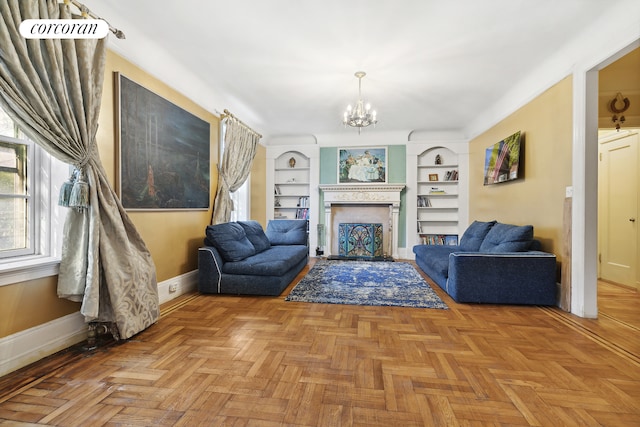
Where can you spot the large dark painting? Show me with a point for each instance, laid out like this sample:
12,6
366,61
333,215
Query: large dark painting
164,152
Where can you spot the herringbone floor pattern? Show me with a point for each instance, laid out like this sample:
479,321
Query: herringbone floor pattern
261,361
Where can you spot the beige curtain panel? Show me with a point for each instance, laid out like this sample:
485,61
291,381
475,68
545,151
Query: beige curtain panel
240,143
52,89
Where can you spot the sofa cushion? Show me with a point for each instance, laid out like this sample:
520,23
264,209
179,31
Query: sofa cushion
275,261
256,235
436,256
507,238
474,235
287,232
230,240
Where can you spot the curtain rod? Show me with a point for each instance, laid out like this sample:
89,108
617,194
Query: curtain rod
226,113
86,12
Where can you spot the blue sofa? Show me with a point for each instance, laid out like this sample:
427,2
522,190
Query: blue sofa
494,263
240,258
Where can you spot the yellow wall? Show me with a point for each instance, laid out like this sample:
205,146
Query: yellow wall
621,76
537,198
173,238
259,186
28,304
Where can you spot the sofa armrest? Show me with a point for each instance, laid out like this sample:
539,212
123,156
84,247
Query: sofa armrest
209,270
503,278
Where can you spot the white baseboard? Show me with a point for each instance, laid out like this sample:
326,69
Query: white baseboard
28,346
185,283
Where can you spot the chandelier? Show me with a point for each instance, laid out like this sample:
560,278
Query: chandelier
361,116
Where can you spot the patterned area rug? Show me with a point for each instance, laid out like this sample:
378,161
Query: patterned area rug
365,283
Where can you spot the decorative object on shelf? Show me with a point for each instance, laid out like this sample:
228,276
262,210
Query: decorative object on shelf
360,116
292,162
433,177
617,109
438,159
358,165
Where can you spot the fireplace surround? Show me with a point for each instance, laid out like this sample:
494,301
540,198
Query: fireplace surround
364,203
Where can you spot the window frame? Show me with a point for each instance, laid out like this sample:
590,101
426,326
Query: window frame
45,174
32,240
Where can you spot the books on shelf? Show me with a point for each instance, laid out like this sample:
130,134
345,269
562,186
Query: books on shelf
303,202
302,213
451,175
424,202
439,239
436,190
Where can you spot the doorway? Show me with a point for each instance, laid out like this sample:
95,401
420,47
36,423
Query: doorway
618,162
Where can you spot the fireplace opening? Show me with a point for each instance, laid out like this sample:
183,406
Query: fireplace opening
362,204
358,240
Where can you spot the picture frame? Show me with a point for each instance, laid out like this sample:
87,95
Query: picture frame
359,165
163,151
433,177
503,160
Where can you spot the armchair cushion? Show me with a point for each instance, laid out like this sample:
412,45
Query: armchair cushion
231,240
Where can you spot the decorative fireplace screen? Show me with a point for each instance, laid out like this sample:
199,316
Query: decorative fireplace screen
360,240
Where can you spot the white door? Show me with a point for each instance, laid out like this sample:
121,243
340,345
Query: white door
618,208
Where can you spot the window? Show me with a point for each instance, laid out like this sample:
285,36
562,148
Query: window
30,219
16,205
242,195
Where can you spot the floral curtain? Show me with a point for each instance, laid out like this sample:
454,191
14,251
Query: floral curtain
52,88
240,143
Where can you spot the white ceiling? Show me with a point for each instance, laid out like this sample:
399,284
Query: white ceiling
286,67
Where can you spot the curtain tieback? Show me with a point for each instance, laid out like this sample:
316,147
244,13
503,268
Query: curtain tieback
74,192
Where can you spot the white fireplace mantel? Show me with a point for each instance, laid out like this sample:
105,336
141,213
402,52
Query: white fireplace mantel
366,194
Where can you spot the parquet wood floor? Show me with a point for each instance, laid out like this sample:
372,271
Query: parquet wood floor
261,361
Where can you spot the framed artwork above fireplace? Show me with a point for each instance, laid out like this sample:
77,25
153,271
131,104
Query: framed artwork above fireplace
362,165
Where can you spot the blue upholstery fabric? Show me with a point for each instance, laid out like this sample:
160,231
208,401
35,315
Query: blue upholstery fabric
503,278
474,235
507,238
256,235
267,272
268,263
287,232
518,274
230,239
438,259
212,281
